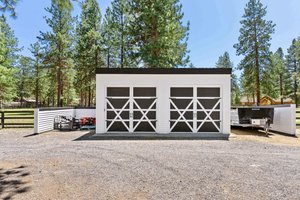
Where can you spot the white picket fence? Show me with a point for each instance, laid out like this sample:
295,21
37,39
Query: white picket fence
44,117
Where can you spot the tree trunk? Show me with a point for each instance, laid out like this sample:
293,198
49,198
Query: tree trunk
89,99
257,70
281,88
85,99
58,87
122,40
37,86
108,58
48,101
295,84
81,98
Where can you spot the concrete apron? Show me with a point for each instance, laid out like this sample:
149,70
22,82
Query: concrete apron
157,136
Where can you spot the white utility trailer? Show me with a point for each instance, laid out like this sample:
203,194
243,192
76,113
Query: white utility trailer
284,118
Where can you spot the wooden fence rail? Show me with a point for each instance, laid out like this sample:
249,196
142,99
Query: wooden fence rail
15,119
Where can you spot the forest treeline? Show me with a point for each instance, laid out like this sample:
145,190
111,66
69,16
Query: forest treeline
132,33
61,70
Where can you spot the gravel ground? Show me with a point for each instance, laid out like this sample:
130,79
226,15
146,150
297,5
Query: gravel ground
54,166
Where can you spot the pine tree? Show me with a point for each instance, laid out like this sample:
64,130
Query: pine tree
11,43
254,43
38,78
88,55
24,77
59,41
64,4
7,89
224,61
270,82
109,40
158,32
293,66
8,55
283,77
248,87
121,40
9,5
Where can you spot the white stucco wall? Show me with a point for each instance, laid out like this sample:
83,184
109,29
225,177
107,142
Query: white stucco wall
163,83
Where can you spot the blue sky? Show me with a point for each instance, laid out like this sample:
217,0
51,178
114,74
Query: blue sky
214,25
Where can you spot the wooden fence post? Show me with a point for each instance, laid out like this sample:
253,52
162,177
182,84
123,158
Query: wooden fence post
2,119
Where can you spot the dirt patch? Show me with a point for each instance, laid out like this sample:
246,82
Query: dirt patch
255,135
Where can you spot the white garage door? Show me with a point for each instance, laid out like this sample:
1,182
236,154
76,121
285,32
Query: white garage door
195,109
131,109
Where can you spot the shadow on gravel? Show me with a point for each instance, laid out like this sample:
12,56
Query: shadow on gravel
249,131
87,136
256,132
151,136
30,135
12,183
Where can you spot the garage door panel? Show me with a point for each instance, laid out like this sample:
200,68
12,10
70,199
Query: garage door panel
144,92
182,127
208,92
209,127
117,103
203,113
118,91
181,104
112,115
215,115
144,126
131,109
187,115
118,126
182,92
208,103
149,115
144,103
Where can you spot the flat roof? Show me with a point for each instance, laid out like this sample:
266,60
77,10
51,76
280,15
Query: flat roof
163,71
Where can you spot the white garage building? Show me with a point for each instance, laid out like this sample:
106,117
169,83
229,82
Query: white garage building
163,101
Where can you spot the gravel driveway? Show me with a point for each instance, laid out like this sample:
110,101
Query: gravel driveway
54,166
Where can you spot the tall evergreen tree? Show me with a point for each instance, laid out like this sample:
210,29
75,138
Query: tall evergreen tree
254,43
121,39
293,66
224,61
8,55
283,77
58,57
107,34
7,89
159,33
39,79
88,55
269,82
248,87
24,77
11,43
